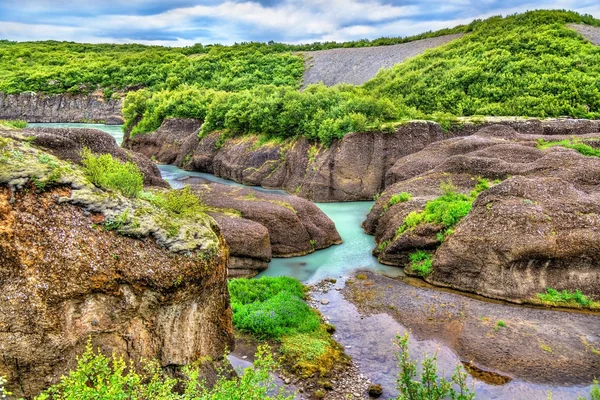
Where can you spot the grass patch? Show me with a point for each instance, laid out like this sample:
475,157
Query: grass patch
575,144
107,173
397,198
13,124
565,298
274,308
421,262
271,307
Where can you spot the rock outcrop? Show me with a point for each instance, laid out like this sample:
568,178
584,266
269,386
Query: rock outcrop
351,169
535,229
258,225
354,168
68,143
33,107
78,263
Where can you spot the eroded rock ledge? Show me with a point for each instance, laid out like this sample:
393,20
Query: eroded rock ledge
64,280
33,107
354,168
538,228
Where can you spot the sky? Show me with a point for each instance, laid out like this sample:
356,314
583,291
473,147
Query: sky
185,22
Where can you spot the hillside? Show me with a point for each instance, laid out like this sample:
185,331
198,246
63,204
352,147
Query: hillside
358,65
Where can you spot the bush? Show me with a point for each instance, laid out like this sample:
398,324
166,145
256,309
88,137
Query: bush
98,377
421,262
108,173
429,386
575,144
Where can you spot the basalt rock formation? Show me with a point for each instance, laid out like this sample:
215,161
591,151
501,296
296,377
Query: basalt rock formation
258,225
350,169
357,167
68,143
78,263
537,228
33,107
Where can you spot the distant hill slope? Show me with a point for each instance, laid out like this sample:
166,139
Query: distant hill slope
591,33
358,65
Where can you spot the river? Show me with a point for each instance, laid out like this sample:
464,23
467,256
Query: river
368,337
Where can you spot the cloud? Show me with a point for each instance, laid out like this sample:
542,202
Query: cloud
184,22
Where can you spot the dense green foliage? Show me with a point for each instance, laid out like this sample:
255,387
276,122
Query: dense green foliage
575,144
576,298
271,307
106,172
528,64
98,377
59,67
274,308
429,386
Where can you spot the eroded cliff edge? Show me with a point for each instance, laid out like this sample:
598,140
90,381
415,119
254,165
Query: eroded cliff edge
69,274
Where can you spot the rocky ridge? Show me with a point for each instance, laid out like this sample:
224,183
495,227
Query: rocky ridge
33,107
355,168
78,263
537,228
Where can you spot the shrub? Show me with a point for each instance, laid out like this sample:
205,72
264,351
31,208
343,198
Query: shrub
429,386
399,198
421,262
108,173
99,377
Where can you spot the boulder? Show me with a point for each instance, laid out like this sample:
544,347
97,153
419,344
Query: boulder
133,288
114,120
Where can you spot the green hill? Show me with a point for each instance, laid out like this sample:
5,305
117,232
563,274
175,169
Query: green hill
528,64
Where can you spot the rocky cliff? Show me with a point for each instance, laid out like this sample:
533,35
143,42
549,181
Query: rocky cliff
354,168
33,107
536,227
78,263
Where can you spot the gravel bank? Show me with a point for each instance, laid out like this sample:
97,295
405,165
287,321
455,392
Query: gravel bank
591,33
358,65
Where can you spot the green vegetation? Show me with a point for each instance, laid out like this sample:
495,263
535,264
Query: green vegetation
567,299
270,308
13,124
429,386
446,210
106,172
274,308
527,64
107,378
421,262
575,144
397,198
59,67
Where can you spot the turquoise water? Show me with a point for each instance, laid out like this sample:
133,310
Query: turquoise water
336,261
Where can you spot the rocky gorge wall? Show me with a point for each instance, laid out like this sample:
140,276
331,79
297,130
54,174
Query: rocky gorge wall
357,167
67,277
33,107
536,227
